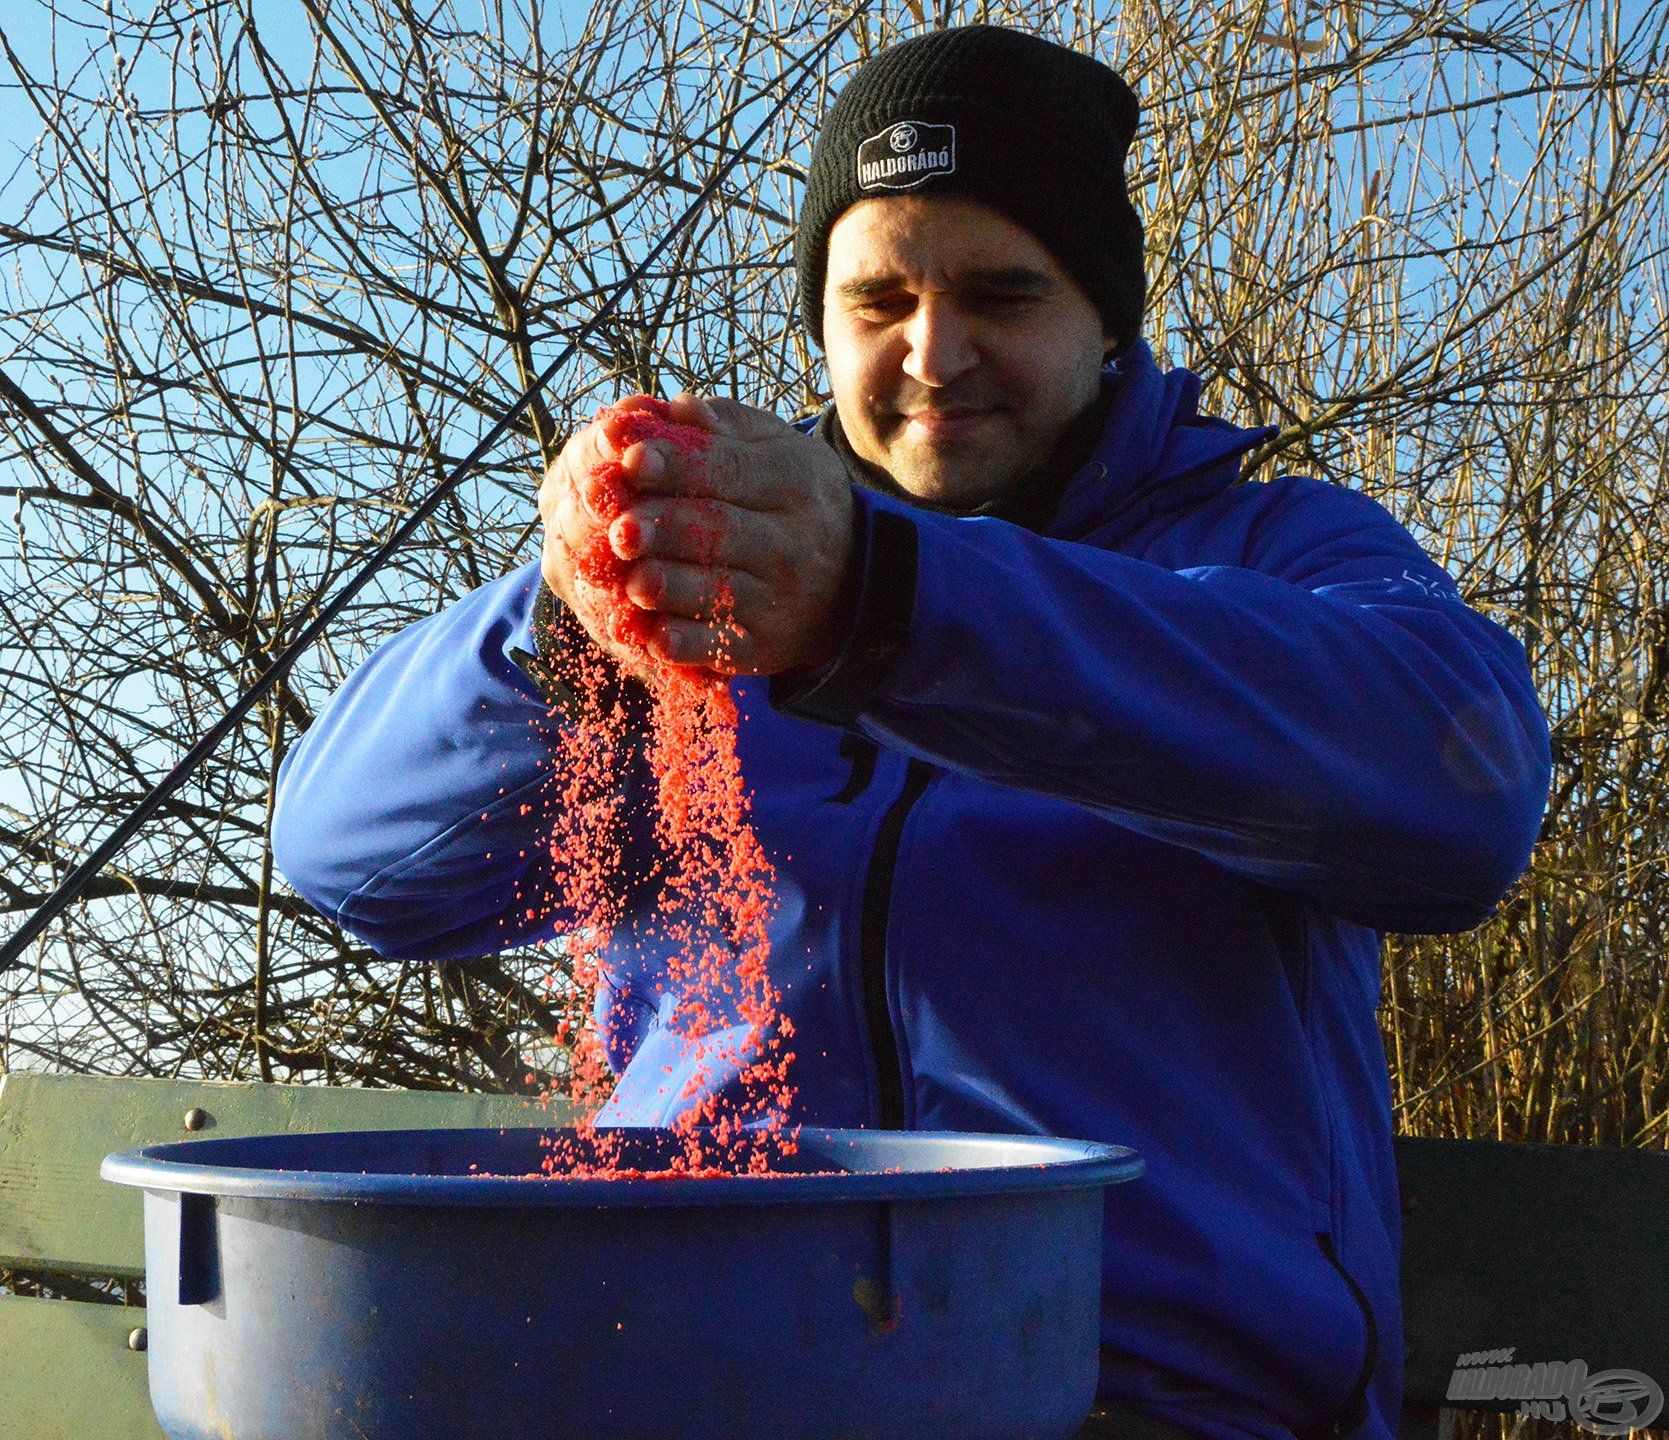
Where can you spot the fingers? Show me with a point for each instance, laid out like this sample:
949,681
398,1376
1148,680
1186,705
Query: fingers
696,531
710,541
691,623
722,469
586,487
692,592
727,469
583,452
698,645
736,464
724,415
688,408
568,519
746,423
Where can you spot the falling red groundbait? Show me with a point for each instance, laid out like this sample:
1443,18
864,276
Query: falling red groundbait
715,884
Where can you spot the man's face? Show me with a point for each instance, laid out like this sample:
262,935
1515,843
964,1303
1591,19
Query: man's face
958,349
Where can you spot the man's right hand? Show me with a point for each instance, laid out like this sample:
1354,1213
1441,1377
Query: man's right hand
568,501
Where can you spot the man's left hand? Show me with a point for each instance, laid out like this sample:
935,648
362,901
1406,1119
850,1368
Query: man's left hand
740,550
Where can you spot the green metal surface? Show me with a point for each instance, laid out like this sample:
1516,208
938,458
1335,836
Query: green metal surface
57,1215
69,1373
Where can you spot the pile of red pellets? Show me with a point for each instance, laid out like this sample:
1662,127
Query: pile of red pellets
715,884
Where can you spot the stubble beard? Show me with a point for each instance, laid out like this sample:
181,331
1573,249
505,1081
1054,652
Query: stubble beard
955,477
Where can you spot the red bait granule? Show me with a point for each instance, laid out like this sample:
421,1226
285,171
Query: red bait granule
715,882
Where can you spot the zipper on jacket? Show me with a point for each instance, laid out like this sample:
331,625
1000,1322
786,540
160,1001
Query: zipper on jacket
872,945
1350,1415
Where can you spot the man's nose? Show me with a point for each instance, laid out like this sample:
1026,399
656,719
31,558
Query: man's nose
941,344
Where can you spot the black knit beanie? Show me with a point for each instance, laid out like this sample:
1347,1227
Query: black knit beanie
1034,130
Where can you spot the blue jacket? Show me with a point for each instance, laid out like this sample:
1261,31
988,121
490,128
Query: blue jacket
1088,833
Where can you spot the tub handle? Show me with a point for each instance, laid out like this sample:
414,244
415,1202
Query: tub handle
199,1250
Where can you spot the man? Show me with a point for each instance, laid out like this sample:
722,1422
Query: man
1091,773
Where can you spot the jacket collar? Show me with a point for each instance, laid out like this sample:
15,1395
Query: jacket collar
1157,452
1140,448
1030,504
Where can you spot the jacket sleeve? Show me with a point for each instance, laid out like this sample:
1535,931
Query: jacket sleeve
409,812
1326,717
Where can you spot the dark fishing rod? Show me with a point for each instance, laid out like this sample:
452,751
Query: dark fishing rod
78,879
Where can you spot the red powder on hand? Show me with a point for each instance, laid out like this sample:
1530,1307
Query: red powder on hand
597,564
716,895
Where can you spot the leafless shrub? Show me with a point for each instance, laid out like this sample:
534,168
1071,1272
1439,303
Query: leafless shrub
270,268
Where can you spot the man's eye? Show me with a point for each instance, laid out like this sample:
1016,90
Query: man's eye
883,309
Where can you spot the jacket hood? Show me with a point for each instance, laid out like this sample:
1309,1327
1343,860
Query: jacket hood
1156,453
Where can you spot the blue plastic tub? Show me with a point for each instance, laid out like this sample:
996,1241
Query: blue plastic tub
366,1286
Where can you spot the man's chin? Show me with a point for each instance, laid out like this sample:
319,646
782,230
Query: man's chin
949,489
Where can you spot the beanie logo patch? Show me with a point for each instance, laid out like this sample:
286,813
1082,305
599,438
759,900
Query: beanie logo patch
905,154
